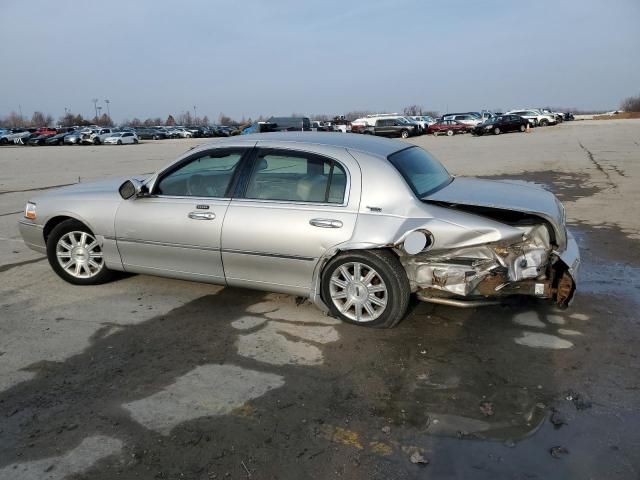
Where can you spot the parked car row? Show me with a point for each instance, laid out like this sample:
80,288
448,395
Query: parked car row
478,123
95,135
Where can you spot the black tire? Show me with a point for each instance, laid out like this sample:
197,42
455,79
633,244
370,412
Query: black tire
496,131
523,128
96,141
450,133
135,140
544,122
435,133
387,266
4,141
404,134
119,142
60,230
155,137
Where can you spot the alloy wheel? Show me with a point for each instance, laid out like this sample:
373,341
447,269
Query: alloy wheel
358,292
79,254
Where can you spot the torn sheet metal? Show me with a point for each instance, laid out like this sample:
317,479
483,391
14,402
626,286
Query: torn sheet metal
486,269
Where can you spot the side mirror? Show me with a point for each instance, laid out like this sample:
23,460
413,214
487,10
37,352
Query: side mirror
132,188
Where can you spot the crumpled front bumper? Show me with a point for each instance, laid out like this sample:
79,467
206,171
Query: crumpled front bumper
485,273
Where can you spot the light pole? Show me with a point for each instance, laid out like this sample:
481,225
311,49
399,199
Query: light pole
107,101
95,106
195,114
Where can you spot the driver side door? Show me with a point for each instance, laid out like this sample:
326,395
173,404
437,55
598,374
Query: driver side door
175,231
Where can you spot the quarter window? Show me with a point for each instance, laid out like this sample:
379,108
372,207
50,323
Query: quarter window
296,177
205,176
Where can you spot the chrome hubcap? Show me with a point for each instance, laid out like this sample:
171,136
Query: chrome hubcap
79,254
358,292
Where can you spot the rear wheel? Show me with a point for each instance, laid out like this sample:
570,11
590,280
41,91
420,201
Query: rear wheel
367,287
523,128
450,133
75,254
544,122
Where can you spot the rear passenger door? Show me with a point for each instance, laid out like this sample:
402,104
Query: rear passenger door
292,206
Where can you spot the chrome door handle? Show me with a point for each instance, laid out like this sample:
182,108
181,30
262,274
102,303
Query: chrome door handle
201,215
325,223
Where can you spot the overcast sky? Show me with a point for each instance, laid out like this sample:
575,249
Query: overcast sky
251,57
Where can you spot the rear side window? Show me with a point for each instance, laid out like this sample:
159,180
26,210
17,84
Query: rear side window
421,171
296,177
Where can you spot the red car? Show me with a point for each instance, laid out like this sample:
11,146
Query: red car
450,127
45,131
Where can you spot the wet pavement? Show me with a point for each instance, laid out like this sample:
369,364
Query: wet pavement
230,383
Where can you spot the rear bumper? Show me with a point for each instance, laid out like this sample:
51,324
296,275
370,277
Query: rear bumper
32,235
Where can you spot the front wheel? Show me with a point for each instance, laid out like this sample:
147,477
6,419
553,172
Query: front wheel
496,131
404,134
544,122
135,140
366,287
75,254
119,142
523,128
450,133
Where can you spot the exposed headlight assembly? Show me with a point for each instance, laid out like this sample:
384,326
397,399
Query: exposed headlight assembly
30,211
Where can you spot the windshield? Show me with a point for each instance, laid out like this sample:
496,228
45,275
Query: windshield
421,171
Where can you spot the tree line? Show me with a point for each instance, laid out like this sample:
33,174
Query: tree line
40,119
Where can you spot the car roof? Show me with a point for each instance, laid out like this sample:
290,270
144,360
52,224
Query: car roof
364,143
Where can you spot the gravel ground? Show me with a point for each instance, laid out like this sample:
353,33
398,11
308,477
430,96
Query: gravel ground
155,378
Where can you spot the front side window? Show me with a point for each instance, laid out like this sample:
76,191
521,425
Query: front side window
421,171
205,176
296,177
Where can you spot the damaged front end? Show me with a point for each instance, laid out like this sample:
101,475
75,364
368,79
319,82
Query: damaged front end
486,273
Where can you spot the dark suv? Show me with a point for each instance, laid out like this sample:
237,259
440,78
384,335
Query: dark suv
392,127
289,124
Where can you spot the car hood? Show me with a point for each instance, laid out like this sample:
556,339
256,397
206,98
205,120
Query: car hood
109,185
505,196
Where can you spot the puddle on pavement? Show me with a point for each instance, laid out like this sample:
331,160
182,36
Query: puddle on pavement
566,186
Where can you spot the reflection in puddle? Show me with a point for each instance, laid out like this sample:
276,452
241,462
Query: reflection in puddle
529,319
543,340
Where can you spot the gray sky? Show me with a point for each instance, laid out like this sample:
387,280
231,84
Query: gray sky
251,57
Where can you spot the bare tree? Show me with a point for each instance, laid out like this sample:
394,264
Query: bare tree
205,121
15,120
38,119
225,120
104,120
631,104
170,122
413,110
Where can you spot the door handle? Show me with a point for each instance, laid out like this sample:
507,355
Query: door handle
325,223
201,215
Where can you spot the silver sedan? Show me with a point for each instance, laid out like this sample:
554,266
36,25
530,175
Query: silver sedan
352,222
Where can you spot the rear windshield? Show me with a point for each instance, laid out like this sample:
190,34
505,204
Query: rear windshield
422,172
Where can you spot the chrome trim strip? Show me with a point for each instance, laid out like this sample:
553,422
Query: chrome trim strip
164,244
212,249
264,254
